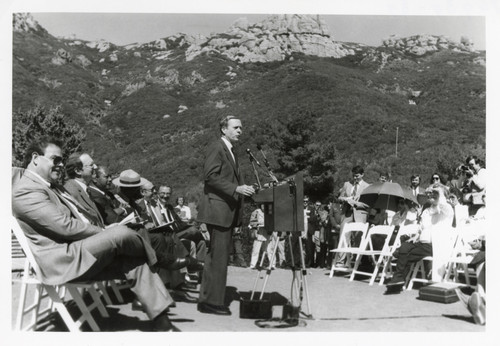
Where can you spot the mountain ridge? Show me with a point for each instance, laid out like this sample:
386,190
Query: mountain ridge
149,108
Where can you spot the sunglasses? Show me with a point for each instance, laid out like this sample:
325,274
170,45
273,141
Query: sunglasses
435,178
56,160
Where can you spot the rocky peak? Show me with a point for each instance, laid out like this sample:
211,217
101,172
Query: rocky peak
421,44
24,22
273,39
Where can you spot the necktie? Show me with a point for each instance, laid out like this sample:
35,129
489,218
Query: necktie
355,190
235,157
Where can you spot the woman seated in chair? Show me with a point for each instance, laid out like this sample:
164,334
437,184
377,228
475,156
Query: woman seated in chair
438,215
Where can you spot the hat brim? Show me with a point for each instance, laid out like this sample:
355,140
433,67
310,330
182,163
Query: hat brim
117,182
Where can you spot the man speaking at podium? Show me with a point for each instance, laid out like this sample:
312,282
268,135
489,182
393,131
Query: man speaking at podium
220,209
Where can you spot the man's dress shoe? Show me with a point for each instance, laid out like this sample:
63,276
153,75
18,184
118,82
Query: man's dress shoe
181,296
213,309
179,263
194,265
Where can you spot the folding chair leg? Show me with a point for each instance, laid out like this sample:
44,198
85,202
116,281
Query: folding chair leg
356,265
63,312
20,308
86,313
335,258
102,288
116,291
97,301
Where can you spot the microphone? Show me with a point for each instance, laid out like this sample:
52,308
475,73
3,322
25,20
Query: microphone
252,157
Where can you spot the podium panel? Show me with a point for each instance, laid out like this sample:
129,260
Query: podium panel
283,209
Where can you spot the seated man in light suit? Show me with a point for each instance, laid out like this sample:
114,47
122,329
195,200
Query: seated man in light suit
67,247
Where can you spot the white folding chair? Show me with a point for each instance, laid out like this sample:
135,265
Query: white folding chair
387,258
54,292
462,255
345,246
443,241
366,249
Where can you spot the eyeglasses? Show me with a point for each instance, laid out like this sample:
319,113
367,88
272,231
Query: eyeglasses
435,178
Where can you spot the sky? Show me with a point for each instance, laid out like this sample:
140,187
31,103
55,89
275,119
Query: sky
125,28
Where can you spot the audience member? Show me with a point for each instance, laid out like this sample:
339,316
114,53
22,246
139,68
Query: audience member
260,237
313,225
437,217
68,247
182,210
237,257
109,207
353,210
415,186
80,169
182,229
437,178
460,211
475,184
335,219
324,233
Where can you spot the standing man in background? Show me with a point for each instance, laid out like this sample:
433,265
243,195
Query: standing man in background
352,210
220,209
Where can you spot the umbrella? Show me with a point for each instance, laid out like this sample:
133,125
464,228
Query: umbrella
385,195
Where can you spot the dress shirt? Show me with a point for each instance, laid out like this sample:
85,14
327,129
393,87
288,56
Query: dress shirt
229,146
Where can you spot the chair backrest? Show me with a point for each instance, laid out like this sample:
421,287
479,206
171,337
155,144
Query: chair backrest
23,241
407,230
349,228
383,230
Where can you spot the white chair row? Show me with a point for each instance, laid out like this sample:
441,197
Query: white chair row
451,248
48,298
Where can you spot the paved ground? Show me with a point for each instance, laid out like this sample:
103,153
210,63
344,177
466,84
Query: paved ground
337,305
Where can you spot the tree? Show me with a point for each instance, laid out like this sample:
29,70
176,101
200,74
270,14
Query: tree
37,122
298,150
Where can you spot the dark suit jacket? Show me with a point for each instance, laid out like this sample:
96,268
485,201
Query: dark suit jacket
81,196
335,217
106,204
220,205
53,231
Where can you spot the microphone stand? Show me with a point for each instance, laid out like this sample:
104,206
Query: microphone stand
268,166
255,172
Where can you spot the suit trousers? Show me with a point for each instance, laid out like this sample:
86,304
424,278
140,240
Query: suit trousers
213,283
409,253
120,253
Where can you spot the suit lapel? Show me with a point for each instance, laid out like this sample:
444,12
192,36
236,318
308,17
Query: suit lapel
89,204
53,195
229,157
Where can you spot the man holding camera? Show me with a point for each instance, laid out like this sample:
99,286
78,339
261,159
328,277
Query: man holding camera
475,184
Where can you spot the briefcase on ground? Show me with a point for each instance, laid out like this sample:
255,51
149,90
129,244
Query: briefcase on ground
443,292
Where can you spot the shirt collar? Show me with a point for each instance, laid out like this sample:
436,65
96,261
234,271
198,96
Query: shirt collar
39,177
83,185
95,188
229,145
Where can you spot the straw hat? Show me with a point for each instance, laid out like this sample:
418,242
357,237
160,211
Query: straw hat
129,178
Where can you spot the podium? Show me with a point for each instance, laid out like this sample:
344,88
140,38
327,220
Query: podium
283,205
284,213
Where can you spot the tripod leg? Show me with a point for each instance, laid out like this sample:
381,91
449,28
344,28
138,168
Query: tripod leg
304,278
268,271
294,280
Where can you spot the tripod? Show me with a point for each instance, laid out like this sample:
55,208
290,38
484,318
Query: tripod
299,275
